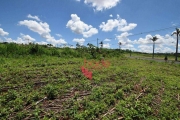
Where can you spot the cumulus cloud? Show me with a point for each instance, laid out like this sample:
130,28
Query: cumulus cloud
80,41
90,32
9,39
145,40
107,40
123,38
158,49
42,28
78,0
42,43
163,40
38,27
79,27
3,33
59,35
164,44
33,17
106,45
145,48
53,41
163,49
110,15
101,5
127,27
23,39
27,38
120,24
126,43
109,26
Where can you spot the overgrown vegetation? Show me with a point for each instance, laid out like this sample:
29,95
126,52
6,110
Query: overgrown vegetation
20,50
51,86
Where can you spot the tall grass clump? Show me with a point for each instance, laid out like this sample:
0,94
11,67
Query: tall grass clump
17,50
20,50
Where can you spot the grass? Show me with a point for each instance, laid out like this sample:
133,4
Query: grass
44,87
149,55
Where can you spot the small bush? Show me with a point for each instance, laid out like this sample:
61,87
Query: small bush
119,94
51,92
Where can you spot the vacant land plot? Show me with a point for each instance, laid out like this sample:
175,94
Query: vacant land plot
51,87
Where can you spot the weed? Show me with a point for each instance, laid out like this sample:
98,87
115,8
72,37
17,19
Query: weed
51,91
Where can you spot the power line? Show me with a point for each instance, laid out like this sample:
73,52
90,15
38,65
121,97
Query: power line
151,31
154,30
98,39
162,29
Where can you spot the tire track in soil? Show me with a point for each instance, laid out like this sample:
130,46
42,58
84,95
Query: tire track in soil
156,102
59,104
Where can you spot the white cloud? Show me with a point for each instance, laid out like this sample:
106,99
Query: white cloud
42,43
107,40
53,41
158,49
1,40
101,5
106,45
59,35
126,43
118,23
163,40
128,46
164,44
78,0
90,32
42,28
23,39
33,17
163,49
3,33
145,48
110,15
80,41
8,39
123,38
128,27
18,40
118,16
27,38
38,27
145,40
79,27
110,25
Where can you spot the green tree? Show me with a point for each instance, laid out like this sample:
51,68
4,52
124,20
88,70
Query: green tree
153,39
92,49
101,43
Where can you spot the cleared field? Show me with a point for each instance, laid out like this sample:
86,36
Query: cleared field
51,87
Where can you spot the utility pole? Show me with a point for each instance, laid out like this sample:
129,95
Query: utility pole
119,45
177,33
177,47
97,43
130,51
153,49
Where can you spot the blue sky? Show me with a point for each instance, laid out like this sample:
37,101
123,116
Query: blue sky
62,22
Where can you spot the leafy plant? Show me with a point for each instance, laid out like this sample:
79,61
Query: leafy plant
51,92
